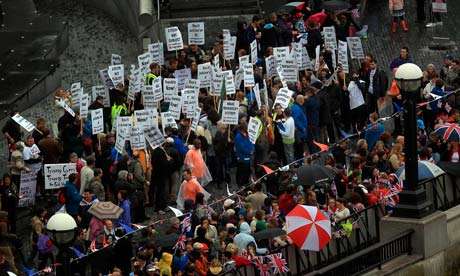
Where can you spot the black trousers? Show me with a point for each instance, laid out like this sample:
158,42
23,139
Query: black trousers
421,10
243,173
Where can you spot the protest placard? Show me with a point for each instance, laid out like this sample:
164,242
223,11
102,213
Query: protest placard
229,82
239,76
317,53
157,89
253,129
146,118
296,53
356,48
76,98
175,105
253,47
115,59
342,56
102,91
256,91
229,48
137,139
84,106
148,96
305,60
27,189
196,33
230,111
290,70
217,78
57,174
196,118
248,75
330,39
66,107
117,74
280,53
182,76
264,91
97,121
156,53
243,60
123,124
169,89
144,61
174,40
283,97
205,74
439,6
271,66
154,136
104,75
120,141
23,122
167,121
216,61
192,84
189,102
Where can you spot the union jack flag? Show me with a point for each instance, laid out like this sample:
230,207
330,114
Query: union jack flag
278,263
187,223
180,244
264,269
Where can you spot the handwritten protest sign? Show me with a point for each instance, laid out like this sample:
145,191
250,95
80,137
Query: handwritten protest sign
253,129
230,111
57,174
283,97
97,121
174,40
356,47
196,33
23,122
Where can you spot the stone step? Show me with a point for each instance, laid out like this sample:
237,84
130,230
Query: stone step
391,267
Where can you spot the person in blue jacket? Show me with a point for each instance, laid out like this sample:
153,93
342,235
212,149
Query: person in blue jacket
243,150
373,131
301,123
73,196
125,204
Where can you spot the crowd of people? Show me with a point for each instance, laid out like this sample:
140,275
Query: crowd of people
193,168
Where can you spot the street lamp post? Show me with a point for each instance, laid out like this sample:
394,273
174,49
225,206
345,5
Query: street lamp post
62,227
413,202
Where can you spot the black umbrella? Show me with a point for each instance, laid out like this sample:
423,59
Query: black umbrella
269,233
314,174
167,240
336,5
291,7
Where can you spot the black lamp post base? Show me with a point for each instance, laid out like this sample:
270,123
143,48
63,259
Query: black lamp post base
413,204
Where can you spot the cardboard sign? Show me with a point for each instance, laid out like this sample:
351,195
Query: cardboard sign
175,106
243,60
290,70
84,106
100,90
23,122
174,40
137,138
144,61
169,89
57,174
205,74
189,102
156,53
157,89
27,188
167,121
229,82
115,59
182,76
253,129
330,39
196,33
117,73
97,121
148,96
154,136
104,75
230,111
256,91
271,66
283,97
248,75
280,53
356,48
342,57
146,118
253,46
196,118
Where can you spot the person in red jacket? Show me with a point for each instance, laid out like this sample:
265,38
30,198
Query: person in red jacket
286,200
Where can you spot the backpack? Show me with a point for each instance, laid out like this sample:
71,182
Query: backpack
62,196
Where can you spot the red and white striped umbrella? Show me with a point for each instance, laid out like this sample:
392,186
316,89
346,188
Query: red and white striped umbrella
308,227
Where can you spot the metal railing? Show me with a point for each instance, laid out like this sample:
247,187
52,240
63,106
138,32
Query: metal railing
443,191
371,257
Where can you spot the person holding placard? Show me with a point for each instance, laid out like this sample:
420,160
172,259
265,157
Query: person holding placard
287,131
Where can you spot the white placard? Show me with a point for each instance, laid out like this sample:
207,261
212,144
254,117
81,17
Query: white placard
205,74
239,77
154,136
97,121
330,39
156,52
123,124
192,84
117,73
189,102
290,70
253,47
120,141
230,111
217,78
115,59
439,6
216,61
243,60
137,138
157,89
174,40
148,96
196,118
182,76
104,75
169,89
280,53
23,122
175,106
84,104
67,108
27,188
229,82
76,97
248,75
101,90
144,61
283,97
229,47
196,33
146,118
342,56
356,48
305,60
256,91
75,86
296,53
57,174
265,92
317,51
253,129
271,66
167,121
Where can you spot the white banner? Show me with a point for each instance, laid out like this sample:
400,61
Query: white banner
253,129
156,52
182,76
23,122
330,39
196,33
137,138
283,97
101,90
356,48
175,106
154,136
253,46
174,40
230,111
248,75
115,59
169,89
57,174
117,74
205,74
84,106
342,57
97,121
